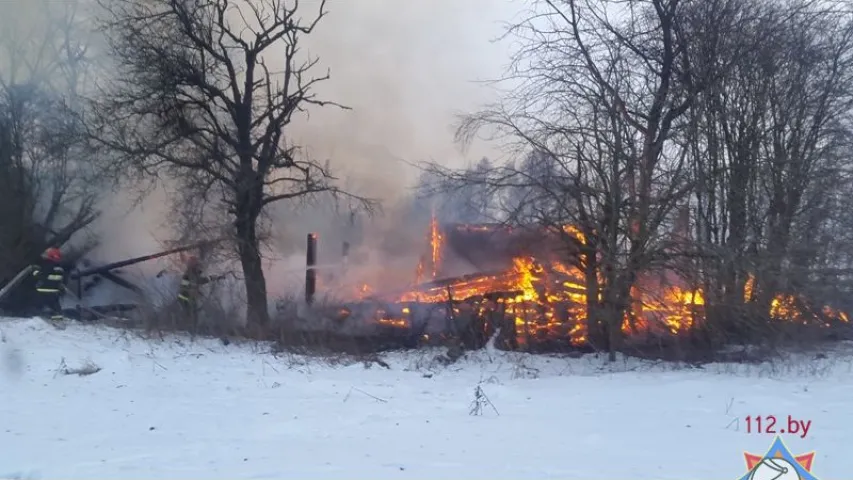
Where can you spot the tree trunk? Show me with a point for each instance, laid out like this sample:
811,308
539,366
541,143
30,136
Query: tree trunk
612,310
257,313
595,331
612,322
771,281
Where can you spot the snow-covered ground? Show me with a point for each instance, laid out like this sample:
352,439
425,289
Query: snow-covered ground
180,409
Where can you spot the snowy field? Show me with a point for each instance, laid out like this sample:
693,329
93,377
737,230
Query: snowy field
180,409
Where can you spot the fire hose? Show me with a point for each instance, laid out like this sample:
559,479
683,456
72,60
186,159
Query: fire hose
327,266
131,261
14,282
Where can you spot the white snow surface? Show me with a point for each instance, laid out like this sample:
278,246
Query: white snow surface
176,408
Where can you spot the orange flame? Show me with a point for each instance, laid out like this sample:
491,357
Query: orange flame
435,243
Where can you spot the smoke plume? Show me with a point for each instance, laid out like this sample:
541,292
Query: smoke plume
405,69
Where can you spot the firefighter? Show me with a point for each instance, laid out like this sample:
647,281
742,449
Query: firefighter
49,280
188,294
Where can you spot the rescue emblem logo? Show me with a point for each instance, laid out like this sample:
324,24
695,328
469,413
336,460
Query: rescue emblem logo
779,464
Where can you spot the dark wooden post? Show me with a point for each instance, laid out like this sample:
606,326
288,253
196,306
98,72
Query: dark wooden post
80,298
310,271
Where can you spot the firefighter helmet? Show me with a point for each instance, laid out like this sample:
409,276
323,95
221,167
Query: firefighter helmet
53,254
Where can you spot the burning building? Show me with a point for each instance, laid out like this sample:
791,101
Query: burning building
475,279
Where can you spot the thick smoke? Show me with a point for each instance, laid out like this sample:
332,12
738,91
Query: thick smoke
405,69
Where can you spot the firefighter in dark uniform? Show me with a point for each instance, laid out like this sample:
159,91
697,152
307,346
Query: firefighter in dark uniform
188,295
49,280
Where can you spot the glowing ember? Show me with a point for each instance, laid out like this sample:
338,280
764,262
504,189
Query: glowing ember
784,307
393,322
749,288
419,272
831,313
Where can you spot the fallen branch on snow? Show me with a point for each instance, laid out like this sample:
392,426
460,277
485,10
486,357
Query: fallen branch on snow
480,402
88,368
365,393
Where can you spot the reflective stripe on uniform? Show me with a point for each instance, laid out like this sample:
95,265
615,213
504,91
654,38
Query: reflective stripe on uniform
54,278
47,290
183,297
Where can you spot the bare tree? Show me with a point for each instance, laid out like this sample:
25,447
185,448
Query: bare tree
726,120
204,94
596,102
810,101
48,180
771,138
50,45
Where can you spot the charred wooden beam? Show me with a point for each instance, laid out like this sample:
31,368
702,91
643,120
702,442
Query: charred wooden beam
443,283
310,269
121,282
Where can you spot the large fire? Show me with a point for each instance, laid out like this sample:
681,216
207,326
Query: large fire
550,300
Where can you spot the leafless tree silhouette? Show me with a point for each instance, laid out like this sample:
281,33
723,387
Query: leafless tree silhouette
205,92
49,181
